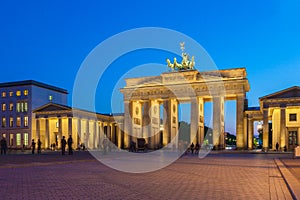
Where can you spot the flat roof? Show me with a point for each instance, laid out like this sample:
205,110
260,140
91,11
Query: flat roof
32,82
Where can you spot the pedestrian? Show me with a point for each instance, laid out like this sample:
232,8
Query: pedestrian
39,146
3,146
70,142
277,146
197,148
32,146
63,145
192,147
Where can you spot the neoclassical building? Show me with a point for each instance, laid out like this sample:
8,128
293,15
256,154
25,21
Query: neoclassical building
53,121
280,114
146,97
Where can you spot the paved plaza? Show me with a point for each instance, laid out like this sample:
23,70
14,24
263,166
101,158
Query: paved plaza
218,176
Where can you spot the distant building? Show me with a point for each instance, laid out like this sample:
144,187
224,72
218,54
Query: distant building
17,101
280,116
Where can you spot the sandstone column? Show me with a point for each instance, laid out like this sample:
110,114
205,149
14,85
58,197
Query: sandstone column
201,121
266,129
38,129
167,121
127,123
218,121
250,134
194,121
146,121
47,136
283,132
240,139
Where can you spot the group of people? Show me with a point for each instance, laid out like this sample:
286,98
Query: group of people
194,148
64,143
39,146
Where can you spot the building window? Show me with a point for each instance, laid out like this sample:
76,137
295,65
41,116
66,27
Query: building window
11,94
293,117
25,92
11,106
3,106
3,121
25,106
22,107
26,139
11,139
18,121
25,121
11,122
18,93
3,94
50,98
18,139
18,107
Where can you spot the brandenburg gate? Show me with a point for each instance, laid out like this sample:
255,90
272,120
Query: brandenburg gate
146,98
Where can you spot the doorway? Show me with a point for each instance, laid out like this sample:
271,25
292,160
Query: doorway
293,139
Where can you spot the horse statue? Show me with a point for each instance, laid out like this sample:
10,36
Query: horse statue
186,63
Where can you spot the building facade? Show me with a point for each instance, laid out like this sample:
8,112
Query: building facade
18,100
280,116
53,121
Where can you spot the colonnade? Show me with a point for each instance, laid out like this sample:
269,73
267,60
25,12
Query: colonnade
89,132
143,120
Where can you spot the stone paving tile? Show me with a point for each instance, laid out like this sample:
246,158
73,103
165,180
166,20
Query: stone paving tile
293,165
214,177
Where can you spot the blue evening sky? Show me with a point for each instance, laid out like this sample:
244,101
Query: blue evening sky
48,40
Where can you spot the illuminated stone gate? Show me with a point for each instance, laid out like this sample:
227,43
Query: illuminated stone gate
146,97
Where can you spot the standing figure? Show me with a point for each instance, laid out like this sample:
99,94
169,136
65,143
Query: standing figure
70,142
3,146
63,145
39,146
277,146
197,148
32,146
192,147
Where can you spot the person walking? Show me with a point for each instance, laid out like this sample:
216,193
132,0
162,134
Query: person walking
3,146
32,146
70,142
39,146
63,145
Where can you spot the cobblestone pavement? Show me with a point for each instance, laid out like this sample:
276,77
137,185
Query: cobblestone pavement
80,176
